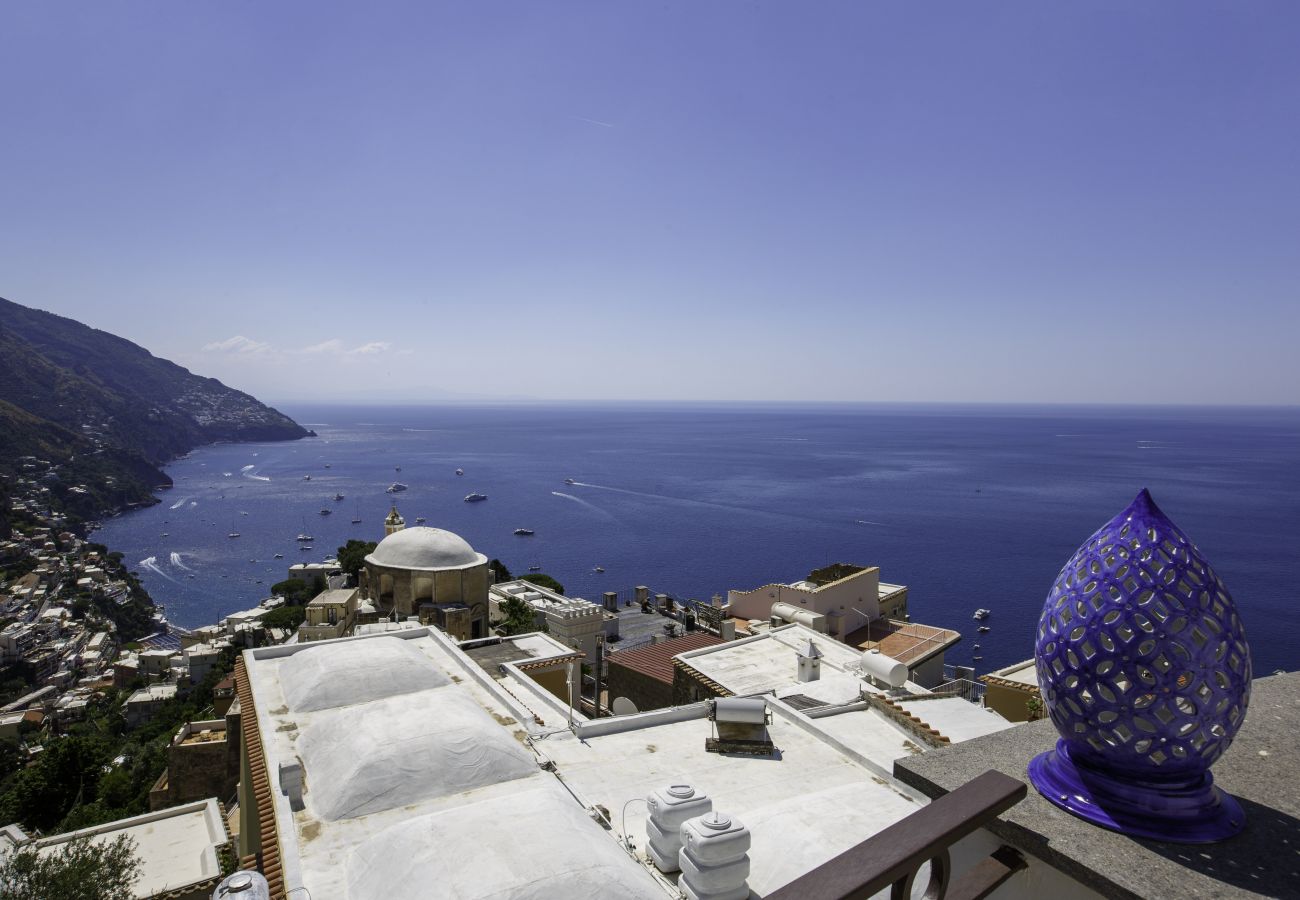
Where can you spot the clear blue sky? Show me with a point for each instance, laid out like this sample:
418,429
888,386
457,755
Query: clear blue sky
1084,202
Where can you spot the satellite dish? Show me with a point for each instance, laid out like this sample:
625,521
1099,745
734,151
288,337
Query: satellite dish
623,706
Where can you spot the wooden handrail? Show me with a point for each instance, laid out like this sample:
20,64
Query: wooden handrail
892,857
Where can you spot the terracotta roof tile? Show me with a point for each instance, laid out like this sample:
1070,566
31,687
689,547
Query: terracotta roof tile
656,660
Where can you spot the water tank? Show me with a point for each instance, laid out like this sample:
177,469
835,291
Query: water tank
669,808
243,886
788,612
884,668
714,858
747,710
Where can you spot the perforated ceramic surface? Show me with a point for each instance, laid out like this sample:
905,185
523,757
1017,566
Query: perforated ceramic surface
1142,660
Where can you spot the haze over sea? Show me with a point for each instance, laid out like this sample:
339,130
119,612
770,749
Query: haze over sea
974,506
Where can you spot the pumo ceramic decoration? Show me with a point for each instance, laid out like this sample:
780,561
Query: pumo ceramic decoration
1144,669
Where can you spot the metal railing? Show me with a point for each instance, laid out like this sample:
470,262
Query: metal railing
893,858
972,691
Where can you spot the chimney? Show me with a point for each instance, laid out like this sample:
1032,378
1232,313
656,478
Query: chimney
727,629
810,663
611,601
642,594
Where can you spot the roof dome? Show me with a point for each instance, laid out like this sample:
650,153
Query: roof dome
425,548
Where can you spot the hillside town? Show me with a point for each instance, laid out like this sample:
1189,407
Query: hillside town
644,722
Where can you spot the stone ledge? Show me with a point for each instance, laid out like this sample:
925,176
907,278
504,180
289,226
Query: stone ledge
1261,769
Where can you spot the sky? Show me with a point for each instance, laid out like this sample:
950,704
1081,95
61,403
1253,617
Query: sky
859,201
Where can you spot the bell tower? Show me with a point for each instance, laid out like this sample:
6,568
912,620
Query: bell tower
394,523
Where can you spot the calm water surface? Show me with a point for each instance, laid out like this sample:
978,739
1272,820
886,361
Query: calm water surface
969,506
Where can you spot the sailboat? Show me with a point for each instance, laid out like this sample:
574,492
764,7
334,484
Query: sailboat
357,519
233,532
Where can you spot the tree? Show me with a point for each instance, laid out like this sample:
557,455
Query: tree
352,556
285,617
298,592
545,581
499,569
520,618
82,869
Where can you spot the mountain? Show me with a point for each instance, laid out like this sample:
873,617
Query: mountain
78,396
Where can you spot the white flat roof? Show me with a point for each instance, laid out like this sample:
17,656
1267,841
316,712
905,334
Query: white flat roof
768,661
425,790
176,847
804,805
956,719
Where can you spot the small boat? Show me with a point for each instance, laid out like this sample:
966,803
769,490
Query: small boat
305,547
534,568
338,497
327,465
598,569
460,471
306,478
569,481
243,513
975,646
984,629
356,521
233,534
164,534
326,512
279,556
524,532
397,468
395,488
977,658
981,614
475,498
304,538
419,520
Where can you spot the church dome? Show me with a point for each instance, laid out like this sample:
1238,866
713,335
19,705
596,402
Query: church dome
425,548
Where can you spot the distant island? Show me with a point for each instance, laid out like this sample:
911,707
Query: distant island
94,417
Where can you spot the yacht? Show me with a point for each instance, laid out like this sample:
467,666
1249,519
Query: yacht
325,512
395,488
304,538
460,471
475,498
524,532
338,497
569,481
983,629
981,614
419,520
306,478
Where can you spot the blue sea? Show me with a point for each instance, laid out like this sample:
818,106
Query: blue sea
970,507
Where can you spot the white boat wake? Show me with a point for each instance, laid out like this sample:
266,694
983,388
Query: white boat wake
248,468
150,564
179,503
176,561
591,506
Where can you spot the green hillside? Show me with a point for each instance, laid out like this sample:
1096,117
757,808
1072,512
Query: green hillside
106,413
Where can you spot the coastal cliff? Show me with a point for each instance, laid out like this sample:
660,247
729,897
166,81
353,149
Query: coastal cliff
102,414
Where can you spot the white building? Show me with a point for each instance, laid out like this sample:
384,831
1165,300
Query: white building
571,620
838,608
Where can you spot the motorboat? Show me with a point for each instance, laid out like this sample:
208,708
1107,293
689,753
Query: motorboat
326,512
304,538
338,497
279,556
524,532
305,547
233,534
356,521
981,614
569,481
534,568
475,498
419,520
598,569
306,478
460,471
983,629
395,488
